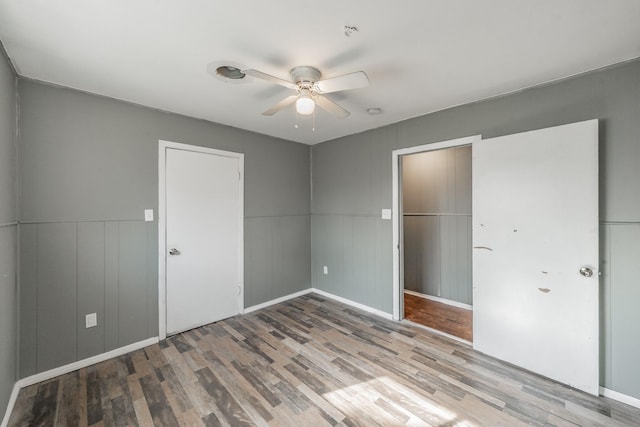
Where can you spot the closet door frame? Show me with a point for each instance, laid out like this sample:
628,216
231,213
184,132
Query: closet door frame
398,273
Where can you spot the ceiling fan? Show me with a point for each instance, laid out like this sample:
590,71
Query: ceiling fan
310,89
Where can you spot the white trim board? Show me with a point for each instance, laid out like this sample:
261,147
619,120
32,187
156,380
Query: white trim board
396,191
437,332
61,370
631,401
276,301
10,405
353,303
162,225
321,293
440,300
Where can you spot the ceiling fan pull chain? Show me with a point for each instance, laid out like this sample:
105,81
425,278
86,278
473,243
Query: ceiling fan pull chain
313,129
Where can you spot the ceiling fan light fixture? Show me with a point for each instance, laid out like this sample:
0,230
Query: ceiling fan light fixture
305,105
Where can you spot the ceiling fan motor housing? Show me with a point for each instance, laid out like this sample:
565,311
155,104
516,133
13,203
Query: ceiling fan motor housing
305,76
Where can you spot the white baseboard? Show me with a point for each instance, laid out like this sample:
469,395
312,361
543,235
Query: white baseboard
353,304
276,301
52,373
10,405
632,401
437,332
441,300
322,293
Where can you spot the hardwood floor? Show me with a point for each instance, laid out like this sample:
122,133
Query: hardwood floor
446,318
309,362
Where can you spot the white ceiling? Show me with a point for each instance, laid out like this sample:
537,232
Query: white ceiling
421,55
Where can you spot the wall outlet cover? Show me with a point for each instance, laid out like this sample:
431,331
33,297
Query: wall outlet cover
325,270
386,213
148,214
91,320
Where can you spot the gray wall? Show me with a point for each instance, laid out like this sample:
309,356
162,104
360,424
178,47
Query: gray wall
88,169
352,182
436,207
8,232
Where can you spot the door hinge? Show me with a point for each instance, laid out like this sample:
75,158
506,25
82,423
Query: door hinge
239,176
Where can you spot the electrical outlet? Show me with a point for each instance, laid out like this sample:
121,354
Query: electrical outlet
91,320
386,213
148,214
325,270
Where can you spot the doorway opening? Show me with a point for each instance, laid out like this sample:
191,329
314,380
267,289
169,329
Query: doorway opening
436,224
434,236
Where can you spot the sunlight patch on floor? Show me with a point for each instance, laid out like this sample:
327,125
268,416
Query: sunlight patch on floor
381,392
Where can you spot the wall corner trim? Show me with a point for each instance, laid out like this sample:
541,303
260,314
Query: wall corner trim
363,307
61,370
629,400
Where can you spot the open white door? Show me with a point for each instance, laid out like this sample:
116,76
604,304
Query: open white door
535,256
203,247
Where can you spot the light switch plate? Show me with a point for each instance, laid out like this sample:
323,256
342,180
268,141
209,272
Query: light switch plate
148,214
91,320
325,270
386,213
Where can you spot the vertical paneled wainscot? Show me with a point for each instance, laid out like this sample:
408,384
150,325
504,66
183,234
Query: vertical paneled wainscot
71,269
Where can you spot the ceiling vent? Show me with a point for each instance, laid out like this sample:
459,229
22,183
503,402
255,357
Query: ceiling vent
227,71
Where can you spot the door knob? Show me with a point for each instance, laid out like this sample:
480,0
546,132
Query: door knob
586,272
174,251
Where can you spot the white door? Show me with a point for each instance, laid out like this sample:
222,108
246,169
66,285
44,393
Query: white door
203,230
535,226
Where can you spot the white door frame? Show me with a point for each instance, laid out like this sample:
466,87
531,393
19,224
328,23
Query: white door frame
398,286
162,225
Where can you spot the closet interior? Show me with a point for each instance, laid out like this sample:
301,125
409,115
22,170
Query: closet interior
436,209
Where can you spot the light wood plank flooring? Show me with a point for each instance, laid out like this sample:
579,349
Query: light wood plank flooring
436,315
309,362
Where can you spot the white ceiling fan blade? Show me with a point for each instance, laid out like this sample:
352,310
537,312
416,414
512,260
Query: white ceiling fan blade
345,82
331,107
280,105
269,78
